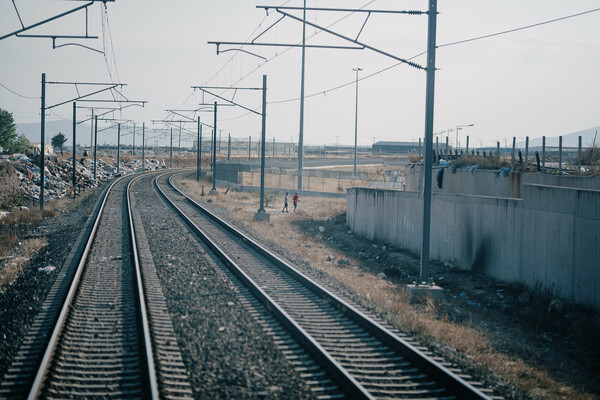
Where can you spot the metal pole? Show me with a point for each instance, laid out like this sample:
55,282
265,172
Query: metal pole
171,150
133,147
92,130
579,154
513,151
249,147
467,148
264,145
42,141
118,148
214,169
229,147
179,142
356,119
429,103
74,145
95,144
560,155
419,159
199,152
447,146
143,146
498,148
526,151
544,153
301,135
456,144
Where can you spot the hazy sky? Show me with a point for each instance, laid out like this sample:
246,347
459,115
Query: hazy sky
534,82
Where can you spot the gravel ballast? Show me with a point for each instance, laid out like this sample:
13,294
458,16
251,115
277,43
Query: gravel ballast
227,353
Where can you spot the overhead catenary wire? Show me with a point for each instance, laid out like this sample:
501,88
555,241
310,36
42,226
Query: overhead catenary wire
19,94
442,45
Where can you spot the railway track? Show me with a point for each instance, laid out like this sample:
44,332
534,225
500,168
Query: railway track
340,351
104,331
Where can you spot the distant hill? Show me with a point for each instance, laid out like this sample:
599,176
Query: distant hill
32,132
571,139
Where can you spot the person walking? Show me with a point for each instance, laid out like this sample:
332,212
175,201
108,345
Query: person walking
295,199
285,203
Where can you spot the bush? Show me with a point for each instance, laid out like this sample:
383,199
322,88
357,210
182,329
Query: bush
492,162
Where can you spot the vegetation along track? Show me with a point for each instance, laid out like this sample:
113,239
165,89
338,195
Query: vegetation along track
110,336
363,358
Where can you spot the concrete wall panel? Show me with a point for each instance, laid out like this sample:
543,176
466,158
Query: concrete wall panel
548,240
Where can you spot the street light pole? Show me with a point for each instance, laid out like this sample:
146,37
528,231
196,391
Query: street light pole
459,127
357,69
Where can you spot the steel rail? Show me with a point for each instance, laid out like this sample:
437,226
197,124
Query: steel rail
152,376
51,348
456,385
346,381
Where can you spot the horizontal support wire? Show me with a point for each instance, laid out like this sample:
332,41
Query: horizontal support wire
410,12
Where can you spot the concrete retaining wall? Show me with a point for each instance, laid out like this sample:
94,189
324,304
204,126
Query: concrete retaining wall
548,239
485,183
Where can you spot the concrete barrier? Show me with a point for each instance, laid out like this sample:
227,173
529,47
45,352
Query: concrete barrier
548,240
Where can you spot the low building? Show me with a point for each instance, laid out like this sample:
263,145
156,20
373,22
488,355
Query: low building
395,147
37,146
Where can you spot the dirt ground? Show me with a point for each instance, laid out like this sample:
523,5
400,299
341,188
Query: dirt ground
523,343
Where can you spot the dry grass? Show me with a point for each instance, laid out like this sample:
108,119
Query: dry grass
14,264
16,253
492,162
463,340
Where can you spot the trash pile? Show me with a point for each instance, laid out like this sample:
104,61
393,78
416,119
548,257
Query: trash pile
58,178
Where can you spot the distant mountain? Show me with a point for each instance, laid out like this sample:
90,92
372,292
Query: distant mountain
571,139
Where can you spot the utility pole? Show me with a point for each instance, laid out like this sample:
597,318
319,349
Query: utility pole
143,146
249,147
229,148
95,144
430,91
42,140
92,130
357,69
118,147
199,152
133,147
301,136
74,145
261,209
179,142
214,168
171,150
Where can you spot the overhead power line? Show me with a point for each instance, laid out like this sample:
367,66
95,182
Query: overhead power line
19,94
323,92
519,29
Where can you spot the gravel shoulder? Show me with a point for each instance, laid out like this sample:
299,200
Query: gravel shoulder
525,344
21,299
